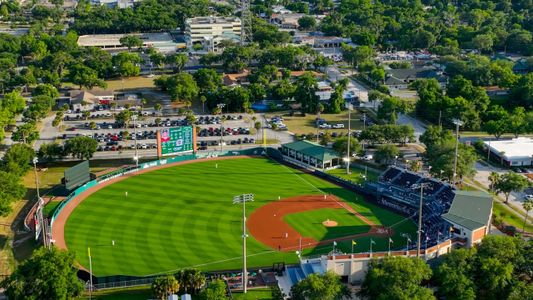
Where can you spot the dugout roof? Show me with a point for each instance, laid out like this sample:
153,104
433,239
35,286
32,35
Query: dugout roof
313,150
471,210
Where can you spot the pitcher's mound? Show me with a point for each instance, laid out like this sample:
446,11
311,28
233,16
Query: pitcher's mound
329,223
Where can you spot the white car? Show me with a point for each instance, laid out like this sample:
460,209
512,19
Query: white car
368,157
529,197
337,126
324,126
144,146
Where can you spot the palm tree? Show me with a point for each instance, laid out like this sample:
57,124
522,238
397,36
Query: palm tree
203,99
527,205
164,286
158,107
493,178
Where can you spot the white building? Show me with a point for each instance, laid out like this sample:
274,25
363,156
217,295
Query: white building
161,41
211,31
514,153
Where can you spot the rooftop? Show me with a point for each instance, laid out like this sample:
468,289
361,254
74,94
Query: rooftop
519,148
313,150
212,20
471,210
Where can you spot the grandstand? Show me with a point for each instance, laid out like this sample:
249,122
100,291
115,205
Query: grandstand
395,190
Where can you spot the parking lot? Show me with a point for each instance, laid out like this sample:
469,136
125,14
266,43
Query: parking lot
140,135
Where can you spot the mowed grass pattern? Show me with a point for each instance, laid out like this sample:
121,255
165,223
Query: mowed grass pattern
183,216
309,223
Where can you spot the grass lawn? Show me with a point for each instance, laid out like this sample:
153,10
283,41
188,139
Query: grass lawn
509,217
131,83
183,217
305,125
134,293
253,294
356,174
309,223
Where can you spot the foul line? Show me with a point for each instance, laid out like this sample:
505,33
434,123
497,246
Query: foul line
304,180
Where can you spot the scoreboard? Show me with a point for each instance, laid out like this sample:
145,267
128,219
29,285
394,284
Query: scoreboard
176,140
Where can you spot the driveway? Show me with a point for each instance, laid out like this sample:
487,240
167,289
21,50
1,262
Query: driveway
419,127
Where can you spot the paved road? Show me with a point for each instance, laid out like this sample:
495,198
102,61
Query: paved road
419,127
335,74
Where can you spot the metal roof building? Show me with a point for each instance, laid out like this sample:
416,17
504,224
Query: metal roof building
311,155
514,153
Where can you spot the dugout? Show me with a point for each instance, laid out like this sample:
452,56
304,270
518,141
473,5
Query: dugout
310,155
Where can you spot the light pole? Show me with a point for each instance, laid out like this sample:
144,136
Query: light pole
243,199
457,123
364,127
136,157
90,273
349,106
221,106
420,186
35,161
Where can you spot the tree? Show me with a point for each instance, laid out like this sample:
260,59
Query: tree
17,159
162,287
482,42
11,189
157,59
158,107
356,55
50,151
307,23
397,278
318,287
510,182
494,178
26,133
179,60
124,117
47,274
46,90
258,126
39,108
340,145
517,121
454,275
131,41
127,64
81,147
385,153
208,81
191,280
390,108
84,76
305,93
527,205
216,290
181,86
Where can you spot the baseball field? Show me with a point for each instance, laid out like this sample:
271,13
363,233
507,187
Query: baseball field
183,216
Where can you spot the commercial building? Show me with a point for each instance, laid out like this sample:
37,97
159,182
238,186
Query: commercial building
211,31
513,153
399,79
161,41
310,155
470,216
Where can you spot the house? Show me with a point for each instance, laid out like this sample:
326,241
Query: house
236,79
522,67
496,91
80,100
399,79
286,21
321,42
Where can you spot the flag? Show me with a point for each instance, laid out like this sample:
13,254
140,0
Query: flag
334,243
391,241
409,240
427,238
438,233
353,243
89,251
372,241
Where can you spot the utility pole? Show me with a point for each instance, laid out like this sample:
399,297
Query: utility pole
348,156
136,157
236,200
420,186
221,106
457,123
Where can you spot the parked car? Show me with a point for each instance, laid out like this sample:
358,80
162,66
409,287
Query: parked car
337,126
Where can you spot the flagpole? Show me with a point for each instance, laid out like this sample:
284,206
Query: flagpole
352,247
389,246
371,241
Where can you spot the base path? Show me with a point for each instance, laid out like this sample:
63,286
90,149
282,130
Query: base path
58,228
266,223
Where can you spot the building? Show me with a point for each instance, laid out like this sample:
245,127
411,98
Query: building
80,100
211,31
470,216
513,153
310,155
321,42
399,79
115,3
161,41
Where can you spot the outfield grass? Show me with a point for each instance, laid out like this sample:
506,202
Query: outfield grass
183,217
309,223
356,174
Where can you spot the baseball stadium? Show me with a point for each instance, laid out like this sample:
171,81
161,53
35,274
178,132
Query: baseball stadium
178,213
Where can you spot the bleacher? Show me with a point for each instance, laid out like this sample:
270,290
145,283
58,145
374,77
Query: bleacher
395,189
300,272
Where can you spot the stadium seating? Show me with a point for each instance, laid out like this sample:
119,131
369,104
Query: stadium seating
396,191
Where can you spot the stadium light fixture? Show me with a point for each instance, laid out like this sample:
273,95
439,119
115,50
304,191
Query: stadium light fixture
420,186
457,123
237,200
